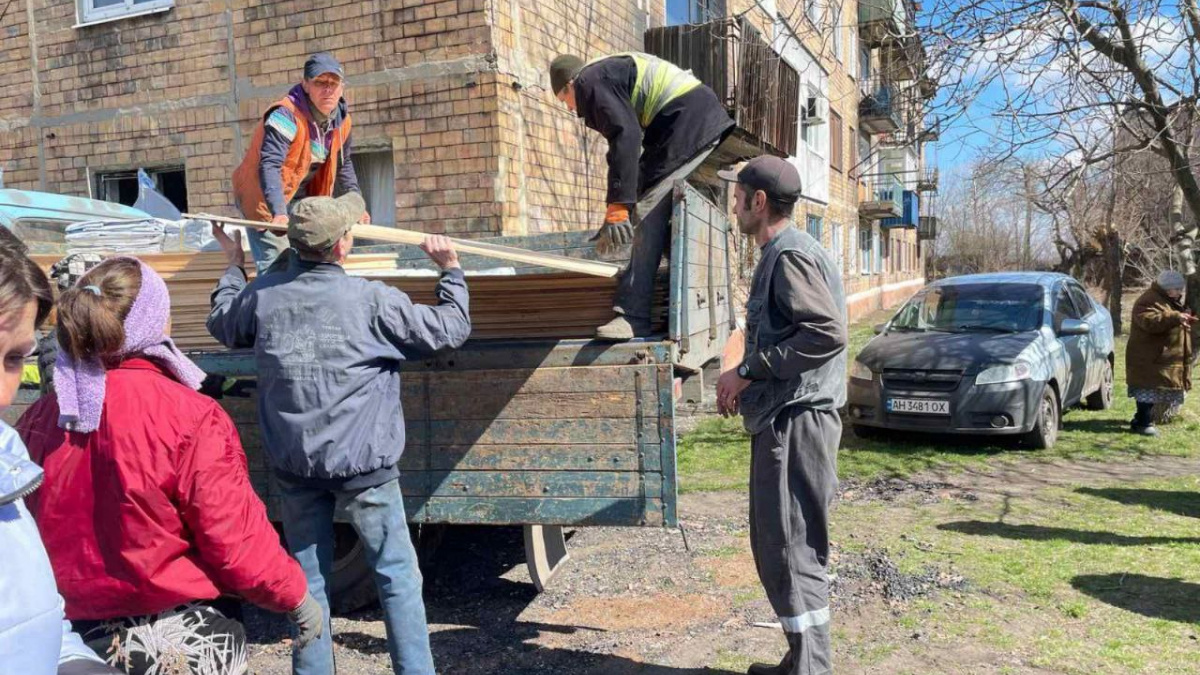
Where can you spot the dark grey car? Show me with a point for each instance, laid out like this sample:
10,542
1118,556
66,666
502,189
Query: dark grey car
996,354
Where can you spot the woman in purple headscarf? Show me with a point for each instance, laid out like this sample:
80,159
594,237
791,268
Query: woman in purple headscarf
147,510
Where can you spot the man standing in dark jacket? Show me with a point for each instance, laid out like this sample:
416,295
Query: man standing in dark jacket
788,389
661,124
328,348
300,149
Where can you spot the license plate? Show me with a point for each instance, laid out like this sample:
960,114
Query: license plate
918,406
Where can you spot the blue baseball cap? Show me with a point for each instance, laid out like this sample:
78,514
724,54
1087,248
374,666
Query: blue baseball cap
320,63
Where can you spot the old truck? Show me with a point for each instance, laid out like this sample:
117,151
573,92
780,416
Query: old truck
546,434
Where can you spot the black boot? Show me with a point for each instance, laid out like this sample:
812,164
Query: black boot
784,667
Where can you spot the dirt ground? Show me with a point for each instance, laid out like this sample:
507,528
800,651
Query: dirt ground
686,602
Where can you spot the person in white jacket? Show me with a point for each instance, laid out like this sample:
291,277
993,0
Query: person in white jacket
35,638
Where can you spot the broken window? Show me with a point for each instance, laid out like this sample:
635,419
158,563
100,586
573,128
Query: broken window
122,186
92,11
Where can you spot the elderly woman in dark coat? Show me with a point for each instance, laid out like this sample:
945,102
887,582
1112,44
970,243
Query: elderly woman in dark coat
1157,362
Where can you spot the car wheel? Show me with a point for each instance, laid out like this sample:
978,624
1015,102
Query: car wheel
1102,398
1045,429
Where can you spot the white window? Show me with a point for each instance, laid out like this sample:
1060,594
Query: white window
813,10
376,173
864,249
94,11
835,233
835,25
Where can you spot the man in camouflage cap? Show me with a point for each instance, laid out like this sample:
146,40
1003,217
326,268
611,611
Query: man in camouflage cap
328,348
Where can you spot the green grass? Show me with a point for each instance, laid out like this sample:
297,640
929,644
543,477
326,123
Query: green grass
716,455
1076,579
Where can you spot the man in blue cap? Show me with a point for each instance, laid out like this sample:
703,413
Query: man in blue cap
300,149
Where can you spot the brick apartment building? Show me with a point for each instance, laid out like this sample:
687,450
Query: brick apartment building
455,129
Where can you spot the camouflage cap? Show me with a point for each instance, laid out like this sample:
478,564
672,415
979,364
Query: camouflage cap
71,269
317,223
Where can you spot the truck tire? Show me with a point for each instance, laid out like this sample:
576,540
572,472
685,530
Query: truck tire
353,584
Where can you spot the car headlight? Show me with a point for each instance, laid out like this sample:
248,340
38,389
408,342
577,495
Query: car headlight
1006,373
859,371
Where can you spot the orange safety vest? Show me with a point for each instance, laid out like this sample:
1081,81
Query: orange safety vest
247,189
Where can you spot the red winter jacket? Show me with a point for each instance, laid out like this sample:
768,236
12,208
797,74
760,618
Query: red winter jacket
154,509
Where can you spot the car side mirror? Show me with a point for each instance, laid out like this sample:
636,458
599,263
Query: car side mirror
1071,327
879,328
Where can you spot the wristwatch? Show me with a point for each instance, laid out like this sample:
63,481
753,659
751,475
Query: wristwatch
743,371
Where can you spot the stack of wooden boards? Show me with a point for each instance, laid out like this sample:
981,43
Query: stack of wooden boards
552,306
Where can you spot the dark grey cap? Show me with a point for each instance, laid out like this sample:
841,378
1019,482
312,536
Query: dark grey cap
773,175
317,223
563,69
320,63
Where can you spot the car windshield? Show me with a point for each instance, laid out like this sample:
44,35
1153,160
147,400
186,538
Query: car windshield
971,308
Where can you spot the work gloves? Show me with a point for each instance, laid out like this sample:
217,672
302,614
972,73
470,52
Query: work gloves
309,620
616,231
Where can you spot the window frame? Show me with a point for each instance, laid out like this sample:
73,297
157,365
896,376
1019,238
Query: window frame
835,142
1079,294
86,12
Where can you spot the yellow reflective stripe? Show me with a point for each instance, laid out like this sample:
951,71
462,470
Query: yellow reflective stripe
658,83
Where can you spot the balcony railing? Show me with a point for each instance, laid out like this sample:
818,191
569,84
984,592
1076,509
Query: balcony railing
882,20
880,196
760,90
928,181
927,228
880,107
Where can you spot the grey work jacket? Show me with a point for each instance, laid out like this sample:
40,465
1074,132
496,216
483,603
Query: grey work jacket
795,331
328,348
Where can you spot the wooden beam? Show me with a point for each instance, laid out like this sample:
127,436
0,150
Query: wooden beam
401,236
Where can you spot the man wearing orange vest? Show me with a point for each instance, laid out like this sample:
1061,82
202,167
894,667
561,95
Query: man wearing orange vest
300,149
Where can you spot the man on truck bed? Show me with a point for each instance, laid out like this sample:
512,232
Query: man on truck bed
661,124
301,148
788,389
328,348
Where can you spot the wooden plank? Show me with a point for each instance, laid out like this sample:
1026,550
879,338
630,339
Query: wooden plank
539,484
401,236
521,511
528,432
563,457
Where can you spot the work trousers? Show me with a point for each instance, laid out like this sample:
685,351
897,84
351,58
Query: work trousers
651,238
793,480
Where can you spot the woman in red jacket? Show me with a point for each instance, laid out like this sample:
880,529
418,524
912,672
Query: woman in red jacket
147,510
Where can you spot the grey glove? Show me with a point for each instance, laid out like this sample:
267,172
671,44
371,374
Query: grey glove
309,619
612,236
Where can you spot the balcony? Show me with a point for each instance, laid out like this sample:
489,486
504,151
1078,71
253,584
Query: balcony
879,109
927,181
759,89
903,58
908,216
927,228
880,197
880,21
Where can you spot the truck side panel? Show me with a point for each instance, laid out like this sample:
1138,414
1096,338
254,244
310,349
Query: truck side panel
584,445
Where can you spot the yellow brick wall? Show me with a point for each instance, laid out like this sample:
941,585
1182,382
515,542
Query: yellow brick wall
554,172
189,86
